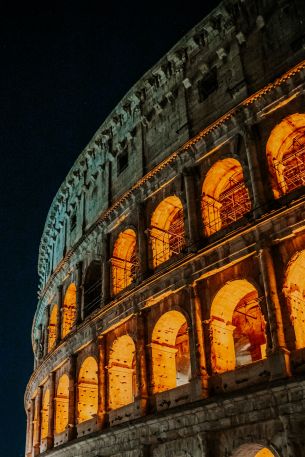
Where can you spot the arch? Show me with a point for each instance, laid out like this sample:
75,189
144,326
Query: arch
253,450
121,372
285,151
225,198
92,287
62,404
124,262
170,352
87,401
45,415
237,326
167,234
294,291
53,327
69,310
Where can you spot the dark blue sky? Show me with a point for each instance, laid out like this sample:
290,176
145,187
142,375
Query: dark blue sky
63,69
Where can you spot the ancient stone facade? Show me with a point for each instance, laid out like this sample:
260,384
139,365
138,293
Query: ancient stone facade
171,308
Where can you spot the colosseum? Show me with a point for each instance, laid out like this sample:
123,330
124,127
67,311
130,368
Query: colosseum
171,312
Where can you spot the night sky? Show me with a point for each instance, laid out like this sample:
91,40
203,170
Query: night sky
63,69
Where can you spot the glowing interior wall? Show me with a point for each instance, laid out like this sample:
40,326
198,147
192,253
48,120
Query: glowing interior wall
170,352
294,290
62,404
286,154
121,372
87,390
225,198
69,310
237,327
124,262
53,327
167,235
45,414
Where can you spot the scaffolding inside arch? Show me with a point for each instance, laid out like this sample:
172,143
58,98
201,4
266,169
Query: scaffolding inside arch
167,243
290,170
232,204
124,272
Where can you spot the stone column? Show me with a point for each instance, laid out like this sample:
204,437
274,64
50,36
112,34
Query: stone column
142,242
254,171
105,270
79,294
32,427
193,209
201,366
141,365
102,382
37,422
72,397
29,424
40,339
59,314
274,311
46,331
50,436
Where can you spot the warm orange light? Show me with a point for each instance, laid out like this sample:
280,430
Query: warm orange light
237,326
62,404
286,154
45,414
69,310
167,230
124,262
264,453
294,290
170,352
225,198
87,390
53,327
121,372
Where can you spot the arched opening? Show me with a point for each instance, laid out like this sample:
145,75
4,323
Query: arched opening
170,352
237,327
122,372
87,390
253,450
69,310
294,290
45,415
92,287
62,404
124,262
286,154
167,233
53,327
225,198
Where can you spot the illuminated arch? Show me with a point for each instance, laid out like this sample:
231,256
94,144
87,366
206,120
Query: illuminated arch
45,415
237,326
170,352
167,233
53,327
124,263
286,154
92,287
225,198
62,404
294,290
69,310
87,403
121,372
253,450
